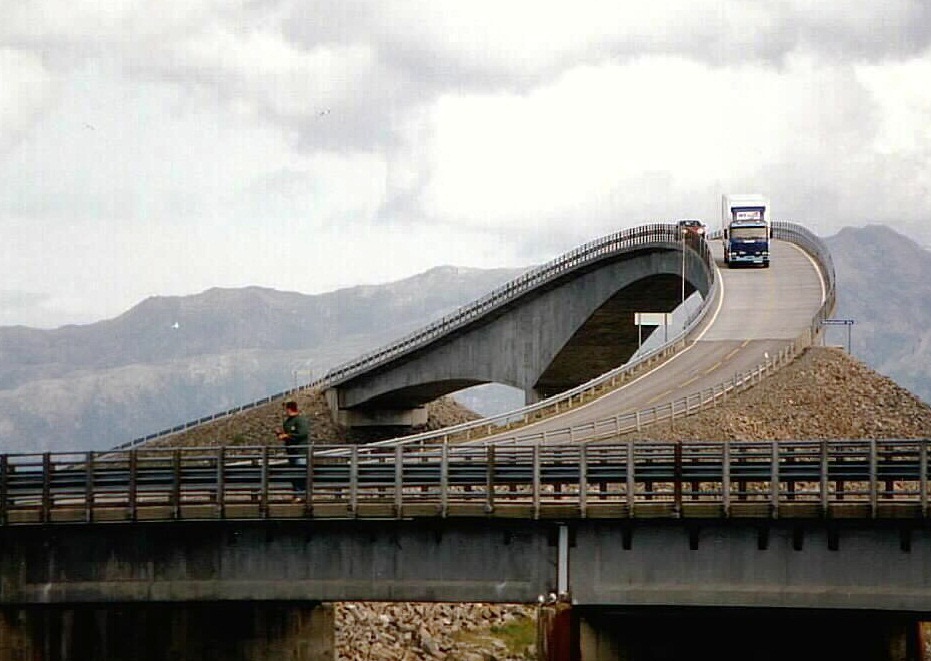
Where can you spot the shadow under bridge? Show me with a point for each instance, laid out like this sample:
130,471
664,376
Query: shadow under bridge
575,324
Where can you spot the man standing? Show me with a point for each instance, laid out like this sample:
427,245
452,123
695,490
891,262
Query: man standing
294,433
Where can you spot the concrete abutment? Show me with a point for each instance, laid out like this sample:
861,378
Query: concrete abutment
232,631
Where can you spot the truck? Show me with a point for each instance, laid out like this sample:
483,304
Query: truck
746,229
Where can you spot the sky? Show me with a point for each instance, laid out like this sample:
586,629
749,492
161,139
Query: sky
164,148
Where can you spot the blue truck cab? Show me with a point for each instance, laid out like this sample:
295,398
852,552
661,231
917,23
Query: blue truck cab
746,230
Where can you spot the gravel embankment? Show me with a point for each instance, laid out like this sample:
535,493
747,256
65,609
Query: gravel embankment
823,394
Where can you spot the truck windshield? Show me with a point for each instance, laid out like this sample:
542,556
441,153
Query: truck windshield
755,233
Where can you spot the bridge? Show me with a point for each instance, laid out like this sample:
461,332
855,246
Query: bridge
548,500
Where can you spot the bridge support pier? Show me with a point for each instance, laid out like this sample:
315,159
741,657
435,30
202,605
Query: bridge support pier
741,635
408,417
258,631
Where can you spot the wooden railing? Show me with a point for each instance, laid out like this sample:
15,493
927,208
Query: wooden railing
865,479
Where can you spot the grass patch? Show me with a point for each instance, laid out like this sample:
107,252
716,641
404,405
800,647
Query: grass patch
517,636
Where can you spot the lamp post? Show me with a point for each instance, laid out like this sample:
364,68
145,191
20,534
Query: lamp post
682,239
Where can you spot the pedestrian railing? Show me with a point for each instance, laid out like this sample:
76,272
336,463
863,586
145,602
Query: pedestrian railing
867,479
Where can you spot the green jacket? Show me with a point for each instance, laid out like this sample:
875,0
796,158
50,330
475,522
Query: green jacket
298,430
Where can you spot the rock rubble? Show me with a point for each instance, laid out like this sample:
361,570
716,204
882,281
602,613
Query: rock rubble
824,393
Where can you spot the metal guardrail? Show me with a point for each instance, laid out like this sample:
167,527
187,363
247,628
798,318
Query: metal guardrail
664,234
588,253
868,479
652,234
694,403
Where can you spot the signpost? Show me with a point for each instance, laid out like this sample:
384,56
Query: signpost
841,322
642,319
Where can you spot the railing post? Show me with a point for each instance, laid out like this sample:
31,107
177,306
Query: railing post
176,483
874,479
221,481
726,477
309,480
535,453
133,482
263,484
46,485
444,480
824,478
631,485
4,468
354,479
583,479
677,477
489,478
398,481
774,480
923,477
89,487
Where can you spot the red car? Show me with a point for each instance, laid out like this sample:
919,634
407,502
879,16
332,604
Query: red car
692,227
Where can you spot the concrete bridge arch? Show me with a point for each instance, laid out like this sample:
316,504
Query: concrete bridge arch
545,340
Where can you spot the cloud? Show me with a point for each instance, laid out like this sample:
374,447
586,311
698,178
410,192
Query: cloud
164,148
25,93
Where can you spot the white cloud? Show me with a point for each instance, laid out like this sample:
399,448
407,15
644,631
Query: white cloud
164,148
25,91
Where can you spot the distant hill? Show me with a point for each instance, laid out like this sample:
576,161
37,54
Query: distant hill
884,286
173,359
169,360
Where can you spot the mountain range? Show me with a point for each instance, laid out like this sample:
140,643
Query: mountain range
169,360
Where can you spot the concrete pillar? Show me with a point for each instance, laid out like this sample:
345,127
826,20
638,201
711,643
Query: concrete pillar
409,417
232,631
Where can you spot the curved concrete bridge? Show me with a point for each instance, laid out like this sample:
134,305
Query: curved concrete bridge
546,332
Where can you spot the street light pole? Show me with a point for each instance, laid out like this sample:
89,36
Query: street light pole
682,237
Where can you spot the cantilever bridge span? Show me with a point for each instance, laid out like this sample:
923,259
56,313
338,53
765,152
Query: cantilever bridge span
545,332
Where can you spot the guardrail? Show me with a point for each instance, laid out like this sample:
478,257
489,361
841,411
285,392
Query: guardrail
866,479
588,253
666,412
591,252
595,250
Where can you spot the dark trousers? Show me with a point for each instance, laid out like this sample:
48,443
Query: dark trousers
295,455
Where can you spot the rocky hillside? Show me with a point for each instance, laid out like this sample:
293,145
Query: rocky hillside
823,394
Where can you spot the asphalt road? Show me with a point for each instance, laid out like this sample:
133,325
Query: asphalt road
760,312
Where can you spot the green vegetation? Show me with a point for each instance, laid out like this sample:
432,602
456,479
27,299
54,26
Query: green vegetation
518,636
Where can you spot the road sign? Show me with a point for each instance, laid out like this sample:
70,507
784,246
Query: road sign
840,322
651,319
